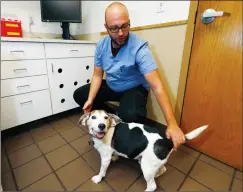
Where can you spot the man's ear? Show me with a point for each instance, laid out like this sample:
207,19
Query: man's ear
114,119
83,119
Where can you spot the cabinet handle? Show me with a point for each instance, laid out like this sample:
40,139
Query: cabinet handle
72,50
23,86
25,102
22,69
17,51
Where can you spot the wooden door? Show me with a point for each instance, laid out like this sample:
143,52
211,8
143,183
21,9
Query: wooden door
213,93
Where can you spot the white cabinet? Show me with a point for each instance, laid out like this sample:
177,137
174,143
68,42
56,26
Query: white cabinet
65,76
39,77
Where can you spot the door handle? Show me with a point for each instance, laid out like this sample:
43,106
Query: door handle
209,15
52,69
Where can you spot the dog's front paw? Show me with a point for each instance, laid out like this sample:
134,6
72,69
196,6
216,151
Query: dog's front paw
96,179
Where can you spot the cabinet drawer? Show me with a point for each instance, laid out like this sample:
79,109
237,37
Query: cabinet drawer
57,50
22,50
23,85
25,68
20,109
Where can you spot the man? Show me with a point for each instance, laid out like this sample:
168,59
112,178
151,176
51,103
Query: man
130,72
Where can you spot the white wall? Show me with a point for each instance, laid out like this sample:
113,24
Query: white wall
141,13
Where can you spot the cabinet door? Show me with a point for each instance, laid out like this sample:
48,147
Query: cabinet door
65,76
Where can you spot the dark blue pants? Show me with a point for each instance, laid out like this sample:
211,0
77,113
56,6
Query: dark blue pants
132,106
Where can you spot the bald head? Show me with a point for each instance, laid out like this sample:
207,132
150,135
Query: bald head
116,11
117,23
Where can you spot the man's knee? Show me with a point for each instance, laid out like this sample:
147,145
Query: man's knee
131,116
80,95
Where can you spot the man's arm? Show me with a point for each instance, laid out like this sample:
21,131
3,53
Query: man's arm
173,130
96,78
158,88
95,83
148,68
94,88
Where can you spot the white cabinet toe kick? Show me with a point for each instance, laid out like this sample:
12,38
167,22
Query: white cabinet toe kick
39,77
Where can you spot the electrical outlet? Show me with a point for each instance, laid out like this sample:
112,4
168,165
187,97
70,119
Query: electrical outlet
161,6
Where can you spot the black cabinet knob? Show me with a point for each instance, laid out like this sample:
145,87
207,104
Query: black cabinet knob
63,100
61,85
88,81
75,83
59,70
87,67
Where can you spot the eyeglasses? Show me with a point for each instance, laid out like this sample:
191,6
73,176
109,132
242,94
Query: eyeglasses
115,29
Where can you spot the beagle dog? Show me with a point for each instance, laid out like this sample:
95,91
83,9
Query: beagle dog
112,137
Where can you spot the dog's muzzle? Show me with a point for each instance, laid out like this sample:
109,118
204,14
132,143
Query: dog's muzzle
98,135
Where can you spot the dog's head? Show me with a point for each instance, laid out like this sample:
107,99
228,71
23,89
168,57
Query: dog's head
99,122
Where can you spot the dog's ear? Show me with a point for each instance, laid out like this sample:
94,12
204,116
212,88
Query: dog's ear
83,119
114,119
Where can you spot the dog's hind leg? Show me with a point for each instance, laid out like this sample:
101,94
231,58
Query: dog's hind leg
105,162
114,158
161,171
150,169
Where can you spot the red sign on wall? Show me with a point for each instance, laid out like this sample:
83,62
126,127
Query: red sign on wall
11,28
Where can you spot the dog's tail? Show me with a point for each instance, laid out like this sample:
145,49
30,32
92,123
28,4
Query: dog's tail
193,134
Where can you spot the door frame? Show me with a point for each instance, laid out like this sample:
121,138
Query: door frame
186,59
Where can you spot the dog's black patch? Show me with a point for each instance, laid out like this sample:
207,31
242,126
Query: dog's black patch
129,142
161,132
162,147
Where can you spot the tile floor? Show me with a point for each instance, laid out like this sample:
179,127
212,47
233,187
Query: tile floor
54,155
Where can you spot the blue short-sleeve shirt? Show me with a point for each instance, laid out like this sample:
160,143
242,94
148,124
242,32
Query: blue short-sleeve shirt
126,70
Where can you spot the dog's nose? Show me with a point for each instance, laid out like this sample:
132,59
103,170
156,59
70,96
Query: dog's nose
101,126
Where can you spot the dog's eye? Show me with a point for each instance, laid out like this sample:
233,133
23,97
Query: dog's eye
93,117
106,117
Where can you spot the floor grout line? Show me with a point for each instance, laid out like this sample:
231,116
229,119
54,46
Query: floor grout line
206,163
43,154
51,168
188,173
200,183
232,180
104,179
75,149
11,171
216,167
25,162
89,166
36,181
77,125
79,155
133,182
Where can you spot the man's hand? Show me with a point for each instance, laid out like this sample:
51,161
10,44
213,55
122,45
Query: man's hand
87,106
174,133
